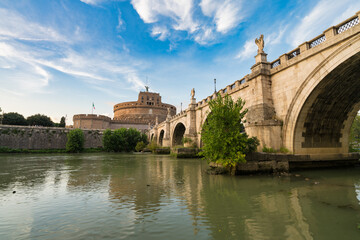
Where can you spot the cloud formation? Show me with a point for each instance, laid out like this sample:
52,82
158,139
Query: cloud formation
218,17
317,20
30,51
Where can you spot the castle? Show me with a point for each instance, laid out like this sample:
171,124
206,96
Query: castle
147,110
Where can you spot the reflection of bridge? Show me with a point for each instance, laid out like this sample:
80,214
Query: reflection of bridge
305,101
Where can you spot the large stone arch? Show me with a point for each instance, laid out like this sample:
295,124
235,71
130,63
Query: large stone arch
320,115
161,136
178,134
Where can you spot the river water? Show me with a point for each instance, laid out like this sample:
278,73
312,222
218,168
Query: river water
128,196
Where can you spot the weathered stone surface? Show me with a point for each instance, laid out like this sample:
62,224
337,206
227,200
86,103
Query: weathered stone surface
24,137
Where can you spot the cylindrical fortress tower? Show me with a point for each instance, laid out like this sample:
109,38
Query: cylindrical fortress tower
145,109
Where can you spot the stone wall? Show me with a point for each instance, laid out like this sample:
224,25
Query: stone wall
91,121
29,137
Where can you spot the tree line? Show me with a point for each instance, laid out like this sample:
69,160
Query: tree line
119,140
14,118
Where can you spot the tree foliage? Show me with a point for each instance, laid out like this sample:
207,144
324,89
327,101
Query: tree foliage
122,140
62,122
75,141
355,134
223,135
40,120
14,118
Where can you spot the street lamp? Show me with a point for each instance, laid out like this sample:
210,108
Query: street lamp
214,85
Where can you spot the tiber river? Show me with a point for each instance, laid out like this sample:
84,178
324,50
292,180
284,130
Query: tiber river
118,196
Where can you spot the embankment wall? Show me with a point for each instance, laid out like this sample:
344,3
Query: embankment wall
30,137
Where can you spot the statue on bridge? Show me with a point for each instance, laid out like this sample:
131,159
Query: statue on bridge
260,43
193,93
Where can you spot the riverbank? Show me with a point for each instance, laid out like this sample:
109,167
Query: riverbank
260,162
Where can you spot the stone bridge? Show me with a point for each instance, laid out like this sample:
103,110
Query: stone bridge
305,101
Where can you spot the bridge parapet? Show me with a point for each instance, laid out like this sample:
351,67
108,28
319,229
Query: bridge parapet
286,59
229,89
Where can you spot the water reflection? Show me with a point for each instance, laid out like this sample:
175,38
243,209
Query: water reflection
158,197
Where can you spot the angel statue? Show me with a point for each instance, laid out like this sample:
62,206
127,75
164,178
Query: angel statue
260,43
193,93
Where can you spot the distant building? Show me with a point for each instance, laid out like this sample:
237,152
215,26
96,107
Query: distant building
138,114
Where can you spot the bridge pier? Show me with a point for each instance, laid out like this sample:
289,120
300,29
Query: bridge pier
261,120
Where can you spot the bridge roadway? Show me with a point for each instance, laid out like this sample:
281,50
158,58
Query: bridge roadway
305,101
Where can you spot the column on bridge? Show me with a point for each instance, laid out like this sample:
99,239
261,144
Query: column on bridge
166,141
261,118
191,119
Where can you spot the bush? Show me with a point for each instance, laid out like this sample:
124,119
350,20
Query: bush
75,141
121,139
223,135
268,149
152,146
140,146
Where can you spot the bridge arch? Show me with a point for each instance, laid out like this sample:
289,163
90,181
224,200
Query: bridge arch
321,113
178,134
161,137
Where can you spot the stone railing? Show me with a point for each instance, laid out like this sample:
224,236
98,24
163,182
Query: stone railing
347,25
317,41
237,85
332,31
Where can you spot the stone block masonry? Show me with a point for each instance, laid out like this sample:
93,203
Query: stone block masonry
29,137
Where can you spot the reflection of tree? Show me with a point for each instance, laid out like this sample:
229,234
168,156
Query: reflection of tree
167,179
251,208
15,170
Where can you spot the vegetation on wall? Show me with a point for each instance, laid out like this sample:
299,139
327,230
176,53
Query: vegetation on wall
355,135
122,140
223,136
75,141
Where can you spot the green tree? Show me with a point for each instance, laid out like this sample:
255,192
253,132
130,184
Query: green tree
75,141
140,146
13,118
223,135
62,122
40,120
121,139
355,134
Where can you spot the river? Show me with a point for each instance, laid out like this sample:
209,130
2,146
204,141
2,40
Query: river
129,196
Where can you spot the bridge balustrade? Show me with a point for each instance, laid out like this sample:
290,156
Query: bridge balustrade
347,25
317,41
294,53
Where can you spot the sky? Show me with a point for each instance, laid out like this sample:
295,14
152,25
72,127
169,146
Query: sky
58,57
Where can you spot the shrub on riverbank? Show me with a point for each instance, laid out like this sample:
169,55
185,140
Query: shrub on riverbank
122,140
223,136
75,141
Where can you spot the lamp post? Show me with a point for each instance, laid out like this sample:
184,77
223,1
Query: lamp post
214,85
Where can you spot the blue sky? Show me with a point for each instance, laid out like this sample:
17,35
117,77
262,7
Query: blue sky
59,56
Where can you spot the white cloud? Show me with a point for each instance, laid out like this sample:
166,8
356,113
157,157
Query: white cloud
319,18
14,26
218,18
27,64
180,12
249,50
121,23
160,32
227,14
93,2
